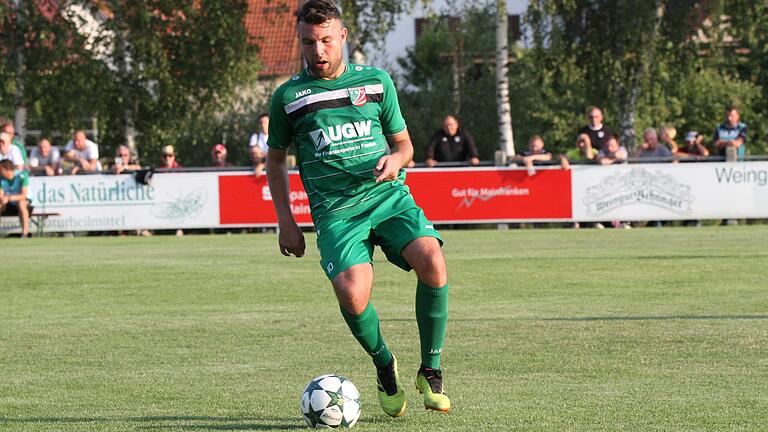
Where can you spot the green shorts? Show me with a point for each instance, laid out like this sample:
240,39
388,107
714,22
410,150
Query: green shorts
391,225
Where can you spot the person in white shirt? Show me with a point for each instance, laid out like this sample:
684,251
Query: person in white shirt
83,152
10,151
259,139
44,159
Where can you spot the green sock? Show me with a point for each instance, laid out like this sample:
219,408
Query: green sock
365,327
431,316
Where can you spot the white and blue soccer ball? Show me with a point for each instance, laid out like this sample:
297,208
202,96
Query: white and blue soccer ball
330,401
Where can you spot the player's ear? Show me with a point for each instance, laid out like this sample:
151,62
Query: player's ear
343,34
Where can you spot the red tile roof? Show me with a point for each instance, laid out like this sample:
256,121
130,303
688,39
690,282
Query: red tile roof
271,25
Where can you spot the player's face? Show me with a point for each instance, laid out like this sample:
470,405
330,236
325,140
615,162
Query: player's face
322,46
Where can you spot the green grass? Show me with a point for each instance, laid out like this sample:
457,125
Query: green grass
549,330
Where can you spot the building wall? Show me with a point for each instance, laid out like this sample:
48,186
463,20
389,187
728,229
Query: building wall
404,34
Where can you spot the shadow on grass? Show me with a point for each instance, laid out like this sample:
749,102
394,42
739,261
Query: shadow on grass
656,318
183,423
605,318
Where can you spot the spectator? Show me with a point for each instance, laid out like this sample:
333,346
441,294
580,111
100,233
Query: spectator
667,137
10,152
650,147
693,146
14,189
219,156
168,158
44,159
535,153
259,139
123,161
451,144
582,151
83,153
258,158
7,127
613,152
731,133
596,132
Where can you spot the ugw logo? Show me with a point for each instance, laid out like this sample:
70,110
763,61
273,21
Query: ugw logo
323,138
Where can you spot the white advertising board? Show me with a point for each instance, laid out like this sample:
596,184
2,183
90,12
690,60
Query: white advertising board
667,191
117,202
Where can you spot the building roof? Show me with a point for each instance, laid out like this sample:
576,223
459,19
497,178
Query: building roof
271,26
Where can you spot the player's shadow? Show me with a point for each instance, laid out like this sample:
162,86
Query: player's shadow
177,423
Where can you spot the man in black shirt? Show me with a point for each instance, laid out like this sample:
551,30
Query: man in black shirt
451,144
596,131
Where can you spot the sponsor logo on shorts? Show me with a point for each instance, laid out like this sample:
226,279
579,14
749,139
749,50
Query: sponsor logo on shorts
329,267
429,226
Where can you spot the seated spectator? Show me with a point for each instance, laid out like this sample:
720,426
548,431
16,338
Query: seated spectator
667,137
44,159
451,144
583,151
693,146
14,191
10,152
7,127
596,132
613,152
258,159
219,156
731,133
168,158
534,153
124,162
82,153
650,148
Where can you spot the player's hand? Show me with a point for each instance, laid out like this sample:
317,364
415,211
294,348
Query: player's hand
387,168
291,241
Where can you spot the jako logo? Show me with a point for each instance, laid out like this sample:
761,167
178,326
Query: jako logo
321,139
303,93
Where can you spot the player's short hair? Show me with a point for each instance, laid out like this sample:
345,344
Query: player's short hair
318,12
6,164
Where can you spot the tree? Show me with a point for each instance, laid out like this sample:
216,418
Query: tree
506,142
171,69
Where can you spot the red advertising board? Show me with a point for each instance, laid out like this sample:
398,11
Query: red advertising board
447,195
492,194
245,200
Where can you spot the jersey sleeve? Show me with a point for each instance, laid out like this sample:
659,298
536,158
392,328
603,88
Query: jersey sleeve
392,121
280,129
24,179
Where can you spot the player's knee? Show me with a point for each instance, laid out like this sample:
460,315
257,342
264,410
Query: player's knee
433,271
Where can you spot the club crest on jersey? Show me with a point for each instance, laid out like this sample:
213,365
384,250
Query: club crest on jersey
357,96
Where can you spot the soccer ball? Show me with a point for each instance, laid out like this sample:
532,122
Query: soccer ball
330,401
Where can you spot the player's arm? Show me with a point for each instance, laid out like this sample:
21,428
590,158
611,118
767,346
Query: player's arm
389,165
290,239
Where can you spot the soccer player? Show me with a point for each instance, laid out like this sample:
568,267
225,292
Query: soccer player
352,145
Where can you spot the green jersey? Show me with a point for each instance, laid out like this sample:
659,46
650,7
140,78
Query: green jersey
14,186
339,128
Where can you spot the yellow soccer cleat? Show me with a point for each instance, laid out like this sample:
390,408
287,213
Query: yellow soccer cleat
391,395
429,382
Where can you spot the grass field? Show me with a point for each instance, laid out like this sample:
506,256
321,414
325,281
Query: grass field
549,330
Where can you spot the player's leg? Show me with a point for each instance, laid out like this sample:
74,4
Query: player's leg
426,257
347,253
353,289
